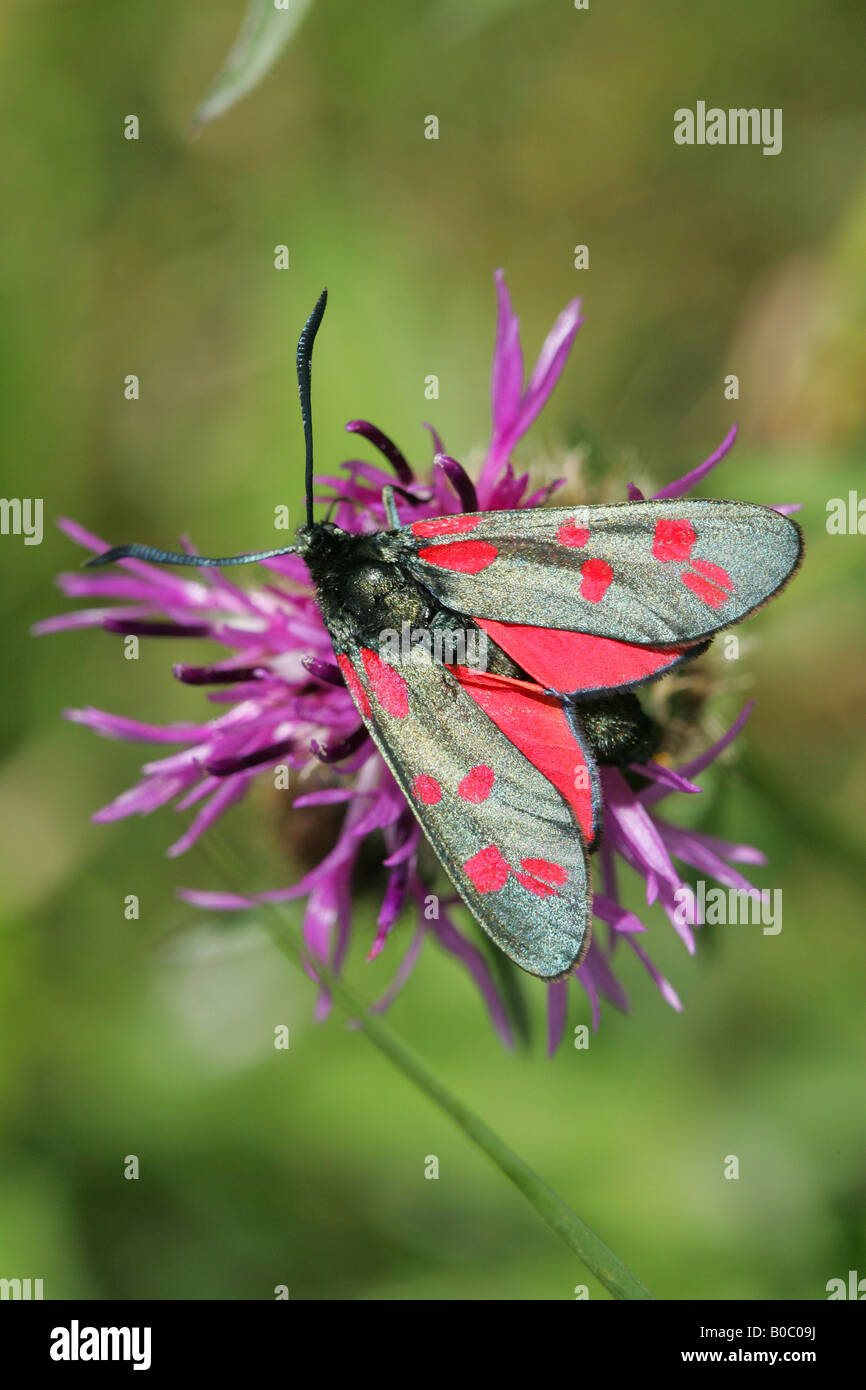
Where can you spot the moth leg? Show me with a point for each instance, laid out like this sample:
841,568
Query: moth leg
390,507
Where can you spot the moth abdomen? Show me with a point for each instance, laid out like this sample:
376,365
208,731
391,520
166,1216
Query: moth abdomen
618,729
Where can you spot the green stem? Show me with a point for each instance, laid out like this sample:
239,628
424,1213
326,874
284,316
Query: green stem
580,1239
607,1267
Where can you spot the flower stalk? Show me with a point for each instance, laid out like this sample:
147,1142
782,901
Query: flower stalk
583,1242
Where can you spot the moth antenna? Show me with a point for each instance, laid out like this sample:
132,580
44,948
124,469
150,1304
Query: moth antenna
305,364
173,557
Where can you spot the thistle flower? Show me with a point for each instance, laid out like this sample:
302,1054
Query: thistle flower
286,704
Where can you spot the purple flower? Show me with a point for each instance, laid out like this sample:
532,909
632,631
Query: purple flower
285,703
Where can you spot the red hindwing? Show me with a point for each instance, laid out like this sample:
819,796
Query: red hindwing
538,726
572,662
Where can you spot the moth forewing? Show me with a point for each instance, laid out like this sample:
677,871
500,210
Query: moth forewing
507,838
660,573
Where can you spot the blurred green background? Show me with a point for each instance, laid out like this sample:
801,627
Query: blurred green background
306,1167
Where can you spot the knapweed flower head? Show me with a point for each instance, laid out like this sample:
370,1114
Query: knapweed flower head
285,704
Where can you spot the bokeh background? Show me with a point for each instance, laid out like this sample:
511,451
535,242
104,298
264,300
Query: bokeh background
155,257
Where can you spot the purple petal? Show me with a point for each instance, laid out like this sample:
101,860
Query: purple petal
617,917
323,670
636,831
506,385
544,493
597,968
140,800
608,870
691,848
331,796
548,368
557,1013
392,905
650,795
229,766
376,477
736,854
463,484
115,726
691,480
143,627
666,776
587,983
320,919
456,944
666,989
386,446
674,897
197,793
404,970
341,748
406,849
213,675
68,622
438,446
219,802
86,539
213,901
89,541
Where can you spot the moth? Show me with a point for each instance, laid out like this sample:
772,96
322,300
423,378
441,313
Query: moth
579,606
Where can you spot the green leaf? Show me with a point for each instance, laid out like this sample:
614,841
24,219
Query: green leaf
264,34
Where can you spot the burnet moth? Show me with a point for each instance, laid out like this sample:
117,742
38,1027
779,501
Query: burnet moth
578,606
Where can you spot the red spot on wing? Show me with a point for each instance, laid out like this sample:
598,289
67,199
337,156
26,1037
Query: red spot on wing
536,724
595,578
350,676
545,869
387,685
426,790
572,535
445,525
572,661
673,540
714,573
477,784
541,890
466,557
488,870
708,593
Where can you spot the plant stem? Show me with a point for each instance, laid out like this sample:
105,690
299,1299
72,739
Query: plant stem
608,1268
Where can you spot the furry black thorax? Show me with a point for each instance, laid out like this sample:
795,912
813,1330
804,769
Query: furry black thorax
363,590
